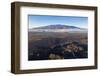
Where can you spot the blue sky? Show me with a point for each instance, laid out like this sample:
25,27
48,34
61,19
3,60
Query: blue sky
44,20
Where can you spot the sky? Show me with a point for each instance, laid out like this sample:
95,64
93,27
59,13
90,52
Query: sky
44,20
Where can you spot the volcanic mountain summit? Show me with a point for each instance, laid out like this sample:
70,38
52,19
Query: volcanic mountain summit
56,28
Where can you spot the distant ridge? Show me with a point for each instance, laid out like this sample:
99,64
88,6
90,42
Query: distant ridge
57,28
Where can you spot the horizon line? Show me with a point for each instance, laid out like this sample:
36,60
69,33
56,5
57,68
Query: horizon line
57,24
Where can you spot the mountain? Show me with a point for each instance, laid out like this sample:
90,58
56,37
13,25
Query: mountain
57,28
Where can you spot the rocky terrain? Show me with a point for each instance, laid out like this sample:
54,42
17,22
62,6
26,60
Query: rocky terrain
49,45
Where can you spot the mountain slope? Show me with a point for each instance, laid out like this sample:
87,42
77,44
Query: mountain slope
58,26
